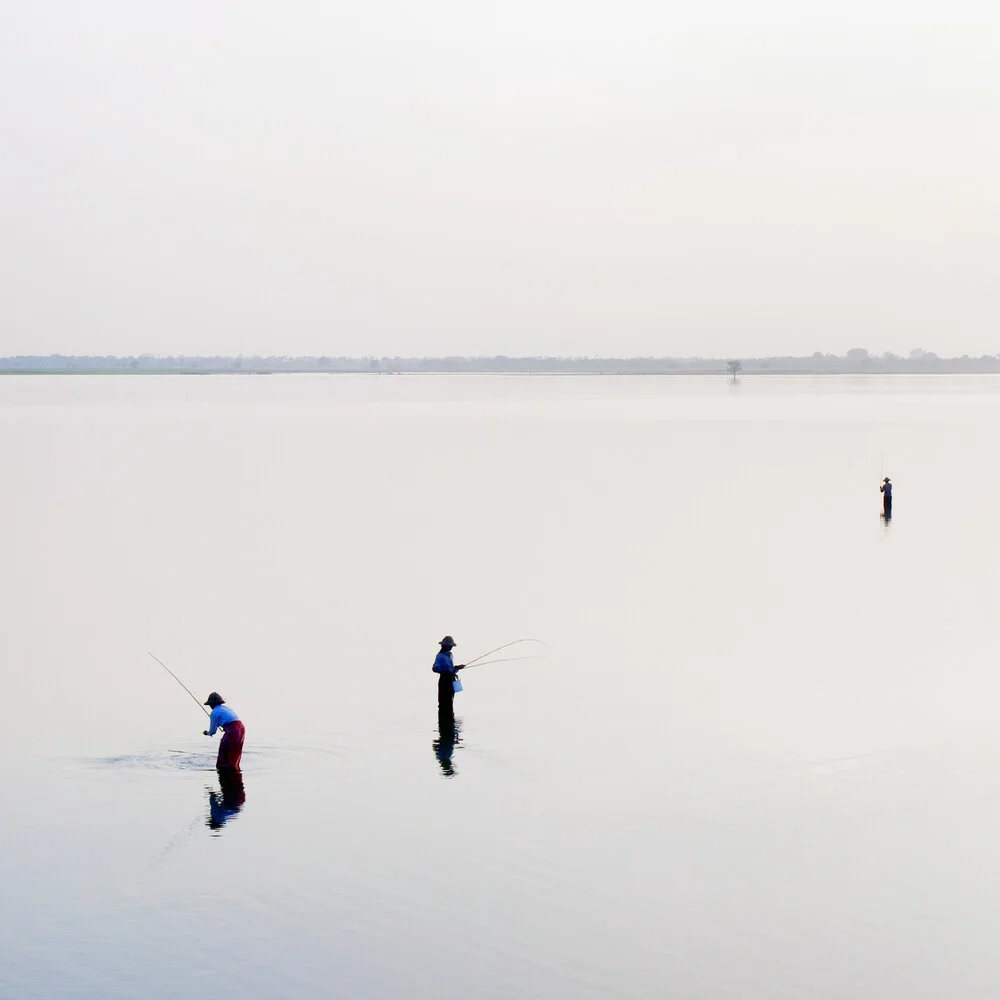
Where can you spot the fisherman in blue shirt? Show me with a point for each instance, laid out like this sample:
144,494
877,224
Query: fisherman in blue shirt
445,668
886,490
233,732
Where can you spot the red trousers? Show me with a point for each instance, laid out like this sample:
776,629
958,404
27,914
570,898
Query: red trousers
231,745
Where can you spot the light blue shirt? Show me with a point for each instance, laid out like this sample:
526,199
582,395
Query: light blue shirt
221,714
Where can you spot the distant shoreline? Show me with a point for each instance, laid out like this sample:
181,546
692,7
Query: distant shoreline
55,373
855,362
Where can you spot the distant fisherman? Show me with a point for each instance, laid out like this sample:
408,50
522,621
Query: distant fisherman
446,670
233,731
886,490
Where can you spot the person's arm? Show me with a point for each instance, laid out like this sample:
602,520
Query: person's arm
214,723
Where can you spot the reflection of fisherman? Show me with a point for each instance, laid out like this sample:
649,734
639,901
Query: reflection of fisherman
449,736
227,803
446,670
886,490
233,731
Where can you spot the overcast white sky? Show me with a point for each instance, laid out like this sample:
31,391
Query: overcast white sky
546,177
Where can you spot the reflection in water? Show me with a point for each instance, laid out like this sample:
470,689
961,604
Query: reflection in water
225,804
449,736
172,759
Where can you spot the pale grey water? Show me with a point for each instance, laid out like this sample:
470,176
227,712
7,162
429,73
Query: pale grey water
759,761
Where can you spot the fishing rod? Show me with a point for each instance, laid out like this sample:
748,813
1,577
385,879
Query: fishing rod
504,646
179,681
504,659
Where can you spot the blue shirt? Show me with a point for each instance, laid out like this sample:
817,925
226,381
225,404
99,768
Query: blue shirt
886,488
444,664
221,714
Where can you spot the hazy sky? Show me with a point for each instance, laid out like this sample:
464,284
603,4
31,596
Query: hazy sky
544,177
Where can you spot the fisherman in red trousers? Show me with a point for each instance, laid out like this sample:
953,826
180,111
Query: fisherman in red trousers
233,732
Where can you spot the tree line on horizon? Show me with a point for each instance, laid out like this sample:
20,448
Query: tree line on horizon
857,361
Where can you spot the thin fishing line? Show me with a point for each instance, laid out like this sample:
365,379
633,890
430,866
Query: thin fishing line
182,684
504,646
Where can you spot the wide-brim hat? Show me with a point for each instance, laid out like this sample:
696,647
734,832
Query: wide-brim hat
448,641
215,699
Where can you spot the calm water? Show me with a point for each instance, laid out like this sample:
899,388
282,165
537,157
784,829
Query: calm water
760,759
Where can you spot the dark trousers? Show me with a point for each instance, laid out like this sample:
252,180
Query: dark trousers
887,505
446,691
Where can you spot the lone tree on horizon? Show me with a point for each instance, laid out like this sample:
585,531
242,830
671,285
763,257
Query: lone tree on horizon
734,367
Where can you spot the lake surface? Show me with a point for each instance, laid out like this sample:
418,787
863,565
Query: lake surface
759,758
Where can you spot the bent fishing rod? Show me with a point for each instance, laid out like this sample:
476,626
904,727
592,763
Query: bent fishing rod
504,646
182,684
505,659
